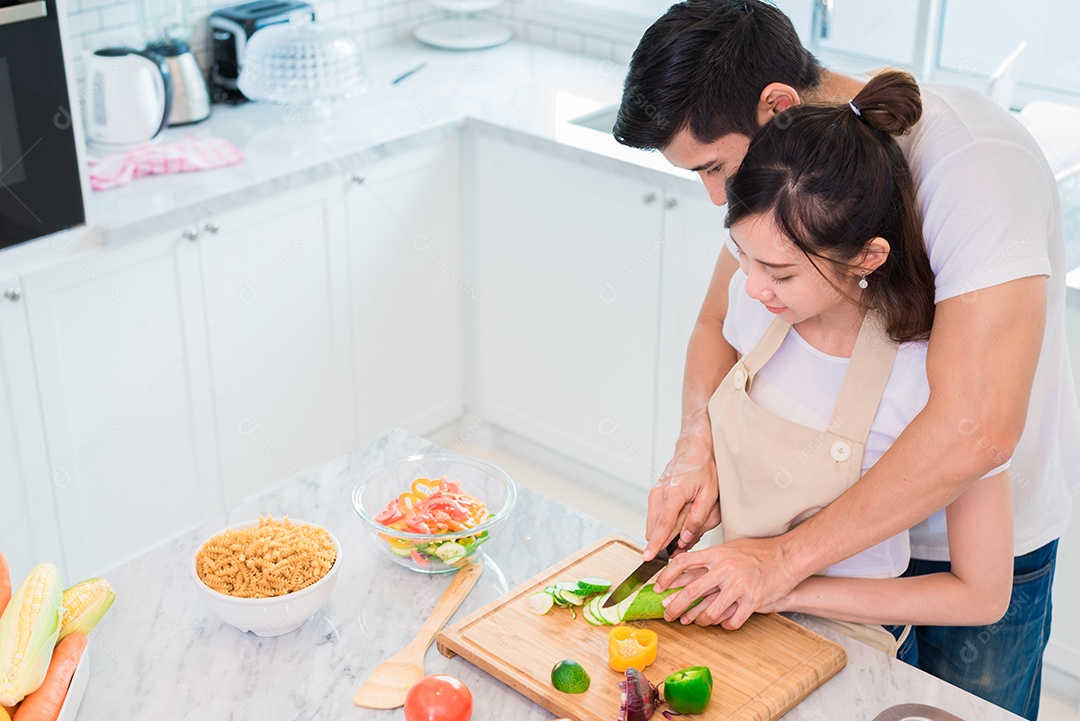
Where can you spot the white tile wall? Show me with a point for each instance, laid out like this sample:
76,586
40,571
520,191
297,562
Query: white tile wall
99,23
531,20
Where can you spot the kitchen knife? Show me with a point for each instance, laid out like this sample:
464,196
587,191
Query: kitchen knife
641,575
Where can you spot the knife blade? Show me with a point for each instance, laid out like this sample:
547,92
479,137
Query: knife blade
641,575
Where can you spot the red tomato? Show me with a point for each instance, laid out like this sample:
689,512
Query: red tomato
438,698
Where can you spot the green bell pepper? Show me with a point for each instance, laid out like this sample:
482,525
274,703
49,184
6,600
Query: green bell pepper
689,690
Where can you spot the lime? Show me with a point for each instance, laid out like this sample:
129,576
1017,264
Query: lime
569,677
541,602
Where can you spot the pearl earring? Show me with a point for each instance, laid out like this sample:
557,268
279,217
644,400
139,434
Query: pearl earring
862,282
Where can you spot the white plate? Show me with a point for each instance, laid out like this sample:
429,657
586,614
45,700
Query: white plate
77,689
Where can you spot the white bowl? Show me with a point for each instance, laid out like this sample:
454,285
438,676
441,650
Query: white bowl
269,616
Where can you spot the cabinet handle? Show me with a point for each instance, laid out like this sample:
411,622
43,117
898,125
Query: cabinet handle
671,203
13,294
358,179
212,227
649,198
191,233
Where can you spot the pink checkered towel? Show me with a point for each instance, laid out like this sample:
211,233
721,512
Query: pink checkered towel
180,156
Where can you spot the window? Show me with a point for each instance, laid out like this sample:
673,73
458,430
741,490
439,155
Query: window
977,34
955,40
651,8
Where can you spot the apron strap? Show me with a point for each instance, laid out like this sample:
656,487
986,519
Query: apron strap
864,383
770,342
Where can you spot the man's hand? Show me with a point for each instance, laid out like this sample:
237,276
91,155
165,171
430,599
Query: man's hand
683,499
737,578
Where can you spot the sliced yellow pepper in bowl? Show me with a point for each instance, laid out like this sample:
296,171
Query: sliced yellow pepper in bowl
631,648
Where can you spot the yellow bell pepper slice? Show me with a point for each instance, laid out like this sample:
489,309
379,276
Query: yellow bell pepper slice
631,648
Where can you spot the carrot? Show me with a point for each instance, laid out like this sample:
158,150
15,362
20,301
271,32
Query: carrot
5,584
45,703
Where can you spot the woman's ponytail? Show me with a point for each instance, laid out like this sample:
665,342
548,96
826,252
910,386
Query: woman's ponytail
889,102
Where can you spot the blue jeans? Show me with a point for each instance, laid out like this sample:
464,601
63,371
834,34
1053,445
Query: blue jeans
908,651
1001,662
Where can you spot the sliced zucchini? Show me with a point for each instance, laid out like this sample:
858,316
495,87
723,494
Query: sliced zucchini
572,598
450,550
540,602
592,585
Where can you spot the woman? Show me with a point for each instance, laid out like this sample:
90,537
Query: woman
830,316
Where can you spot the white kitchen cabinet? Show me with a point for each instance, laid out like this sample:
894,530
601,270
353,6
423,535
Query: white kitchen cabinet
119,345
276,275
407,291
694,235
29,532
1063,650
568,261
1062,658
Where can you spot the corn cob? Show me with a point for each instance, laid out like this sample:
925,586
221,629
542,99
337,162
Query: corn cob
28,632
84,605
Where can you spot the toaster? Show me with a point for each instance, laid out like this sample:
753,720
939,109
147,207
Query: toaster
230,28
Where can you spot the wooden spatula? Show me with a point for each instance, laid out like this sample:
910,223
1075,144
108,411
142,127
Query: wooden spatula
391,680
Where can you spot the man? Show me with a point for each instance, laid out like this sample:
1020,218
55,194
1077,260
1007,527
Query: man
704,77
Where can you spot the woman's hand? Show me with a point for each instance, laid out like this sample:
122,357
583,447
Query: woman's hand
734,579
683,500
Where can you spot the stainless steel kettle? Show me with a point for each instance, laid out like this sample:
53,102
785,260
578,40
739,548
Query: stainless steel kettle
129,98
190,97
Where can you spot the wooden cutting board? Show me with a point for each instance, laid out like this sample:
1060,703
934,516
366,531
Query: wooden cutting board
759,672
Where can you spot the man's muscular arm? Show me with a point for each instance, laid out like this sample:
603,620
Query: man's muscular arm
981,362
683,500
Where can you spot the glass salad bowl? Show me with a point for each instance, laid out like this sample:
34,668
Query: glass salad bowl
433,513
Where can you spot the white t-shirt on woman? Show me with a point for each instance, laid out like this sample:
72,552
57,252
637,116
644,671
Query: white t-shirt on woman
801,384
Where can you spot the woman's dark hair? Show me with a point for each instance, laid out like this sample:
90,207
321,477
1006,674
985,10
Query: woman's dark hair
703,66
832,178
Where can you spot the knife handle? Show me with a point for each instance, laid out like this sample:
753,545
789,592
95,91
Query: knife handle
671,547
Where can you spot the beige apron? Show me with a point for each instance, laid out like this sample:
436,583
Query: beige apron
773,473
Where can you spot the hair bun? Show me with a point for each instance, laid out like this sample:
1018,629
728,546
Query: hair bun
890,102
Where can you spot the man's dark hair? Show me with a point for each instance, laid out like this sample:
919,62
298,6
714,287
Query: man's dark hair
703,66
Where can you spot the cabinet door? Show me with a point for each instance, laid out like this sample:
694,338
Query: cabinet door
1063,649
407,288
695,234
29,532
120,348
276,308
569,269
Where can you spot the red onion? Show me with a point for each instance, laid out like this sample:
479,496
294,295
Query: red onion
639,697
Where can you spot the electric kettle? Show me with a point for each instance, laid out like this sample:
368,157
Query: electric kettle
130,98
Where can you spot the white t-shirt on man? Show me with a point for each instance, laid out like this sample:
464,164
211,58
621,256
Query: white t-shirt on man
992,214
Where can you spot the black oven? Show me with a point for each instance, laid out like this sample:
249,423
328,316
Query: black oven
40,187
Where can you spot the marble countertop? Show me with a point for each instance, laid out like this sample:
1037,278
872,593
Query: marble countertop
160,654
520,92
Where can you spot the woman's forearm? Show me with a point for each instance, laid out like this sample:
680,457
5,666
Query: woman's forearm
939,599
975,592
